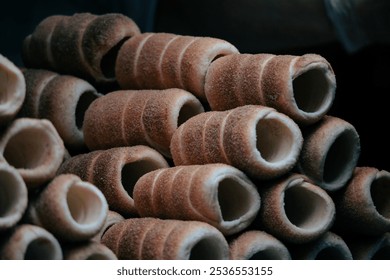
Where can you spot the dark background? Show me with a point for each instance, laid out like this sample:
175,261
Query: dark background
363,78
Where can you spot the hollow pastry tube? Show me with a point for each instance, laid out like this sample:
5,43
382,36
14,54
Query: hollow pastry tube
257,245
295,210
155,239
302,87
92,41
71,209
258,140
218,194
63,100
330,152
163,60
115,172
363,206
143,117
34,148
30,242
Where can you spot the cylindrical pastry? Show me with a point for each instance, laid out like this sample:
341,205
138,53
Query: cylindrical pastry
111,219
71,209
370,248
330,152
143,117
364,205
30,242
257,245
155,239
258,140
62,99
329,246
13,90
91,41
13,196
115,172
162,60
89,250
34,148
302,87
294,210
218,194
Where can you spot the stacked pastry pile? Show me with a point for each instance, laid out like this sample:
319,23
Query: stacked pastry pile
130,145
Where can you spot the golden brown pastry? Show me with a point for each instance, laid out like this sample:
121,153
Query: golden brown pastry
138,117
258,140
295,210
330,152
34,148
62,99
218,194
71,209
163,60
155,239
92,42
302,87
115,172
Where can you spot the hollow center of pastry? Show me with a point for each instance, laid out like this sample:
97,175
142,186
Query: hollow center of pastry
312,91
85,100
234,199
207,248
132,171
380,193
304,208
8,84
41,248
187,111
84,205
331,253
108,62
267,254
340,158
274,139
9,193
28,148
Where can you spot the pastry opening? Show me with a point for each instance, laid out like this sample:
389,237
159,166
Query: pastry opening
380,193
313,91
9,194
83,103
84,204
207,248
332,253
235,200
132,171
274,139
29,148
187,111
305,208
108,62
341,158
41,248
